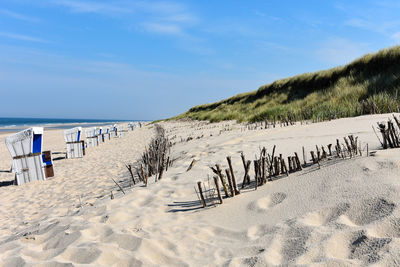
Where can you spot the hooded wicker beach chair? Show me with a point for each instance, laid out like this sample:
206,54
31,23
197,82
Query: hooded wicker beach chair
75,146
29,163
100,135
91,137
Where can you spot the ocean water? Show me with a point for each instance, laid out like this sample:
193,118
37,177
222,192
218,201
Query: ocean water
15,124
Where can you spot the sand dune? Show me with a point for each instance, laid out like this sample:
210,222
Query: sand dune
345,213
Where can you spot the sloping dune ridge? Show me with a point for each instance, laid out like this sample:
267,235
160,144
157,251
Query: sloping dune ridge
345,213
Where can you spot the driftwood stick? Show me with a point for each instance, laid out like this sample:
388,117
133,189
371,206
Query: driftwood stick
263,168
313,157
298,162
324,155
377,137
129,167
276,167
203,201
228,175
167,164
218,172
290,164
282,167
294,163
246,177
256,173
330,149
191,165
118,186
217,187
285,170
237,192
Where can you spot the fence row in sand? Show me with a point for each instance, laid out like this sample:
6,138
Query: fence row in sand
269,167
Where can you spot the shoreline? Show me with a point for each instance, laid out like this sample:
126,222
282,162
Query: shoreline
60,126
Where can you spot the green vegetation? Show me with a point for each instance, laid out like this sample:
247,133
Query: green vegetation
368,85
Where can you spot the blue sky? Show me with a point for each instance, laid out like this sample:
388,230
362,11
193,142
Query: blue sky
155,59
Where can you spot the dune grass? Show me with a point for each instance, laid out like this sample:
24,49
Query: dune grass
368,85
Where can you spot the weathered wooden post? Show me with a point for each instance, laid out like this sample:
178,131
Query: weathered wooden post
230,182
313,157
304,157
217,187
330,149
203,201
221,176
298,162
237,192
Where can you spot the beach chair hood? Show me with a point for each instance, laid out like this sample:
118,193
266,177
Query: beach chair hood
25,142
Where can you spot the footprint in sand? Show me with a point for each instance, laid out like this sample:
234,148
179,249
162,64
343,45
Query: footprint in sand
324,216
82,255
265,203
367,248
369,210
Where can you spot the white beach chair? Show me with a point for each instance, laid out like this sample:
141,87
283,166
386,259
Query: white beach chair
120,131
91,137
75,147
107,133
114,131
100,135
25,148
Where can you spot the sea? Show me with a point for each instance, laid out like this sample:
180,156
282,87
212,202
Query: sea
17,124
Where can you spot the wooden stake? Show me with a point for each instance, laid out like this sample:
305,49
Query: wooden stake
191,165
131,172
246,178
217,187
284,166
314,159
203,201
118,186
290,164
263,168
228,175
276,166
329,148
237,192
256,173
298,162
218,172
304,157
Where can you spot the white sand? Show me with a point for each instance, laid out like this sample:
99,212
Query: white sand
345,213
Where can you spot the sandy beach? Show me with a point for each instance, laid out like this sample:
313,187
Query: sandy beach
345,213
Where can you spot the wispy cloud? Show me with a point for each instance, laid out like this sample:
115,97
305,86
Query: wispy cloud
339,51
169,29
377,17
22,37
396,37
93,7
14,15
163,17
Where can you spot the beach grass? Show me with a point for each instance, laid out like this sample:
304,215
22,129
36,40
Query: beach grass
368,85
